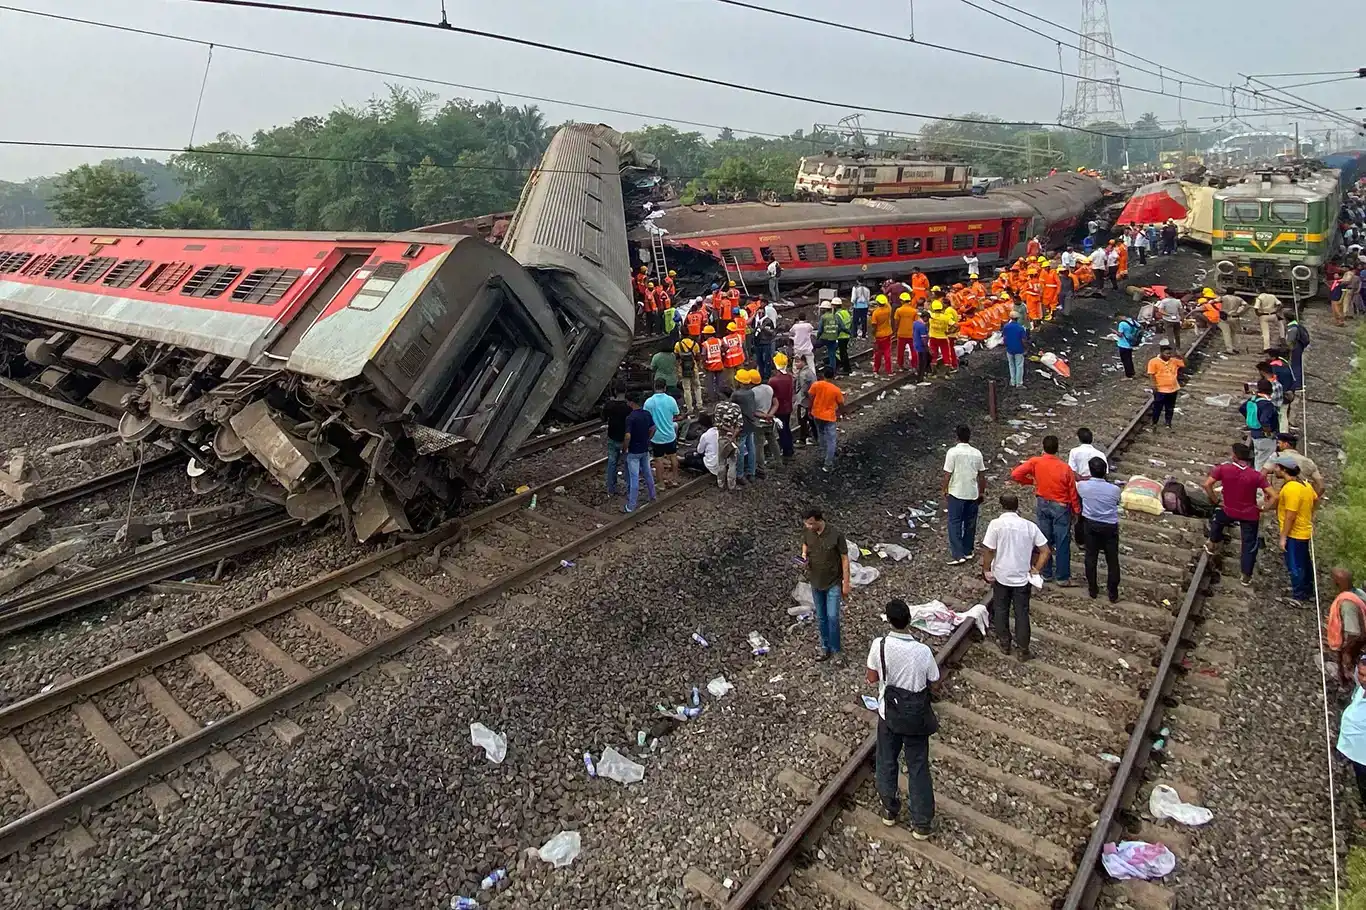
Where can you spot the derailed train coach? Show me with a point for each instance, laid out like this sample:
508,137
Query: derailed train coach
371,375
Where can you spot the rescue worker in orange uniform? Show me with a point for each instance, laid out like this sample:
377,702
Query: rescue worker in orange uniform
695,321
732,352
999,284
639,281
977,294
713,360
669,287
741,321
1033,297
1123,250
904,320
1051,286
880,322
920,286
647,309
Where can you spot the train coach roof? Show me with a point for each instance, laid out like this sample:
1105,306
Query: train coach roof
313,236
689,221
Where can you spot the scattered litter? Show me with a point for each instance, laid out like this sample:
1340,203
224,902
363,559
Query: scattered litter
560,490
892,551
758,645
776,679
1157,462
1137,859
561,849
697,637
1165,802
994,340
801,593
718,687
493,878
1125,664
579,439
868,385
728,883
47,688
869,702
588,763
495,745
566,564
464,903
861,576
1110,757
916,513
615,766
1068,401
1036,580
934,618
1219,401
522,489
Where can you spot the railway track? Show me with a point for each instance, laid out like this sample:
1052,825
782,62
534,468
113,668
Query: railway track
1037,765
360,617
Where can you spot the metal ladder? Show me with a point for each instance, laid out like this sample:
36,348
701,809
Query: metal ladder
657,258
726,263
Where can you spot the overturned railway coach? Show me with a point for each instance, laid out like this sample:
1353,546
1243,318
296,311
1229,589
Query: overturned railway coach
371,374
842,241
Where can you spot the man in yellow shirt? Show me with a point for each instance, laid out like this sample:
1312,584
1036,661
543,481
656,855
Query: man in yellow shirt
941,325
904,317
1295,511
880,320
1165,372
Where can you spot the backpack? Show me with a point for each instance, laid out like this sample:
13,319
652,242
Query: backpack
1132,332
1175,499
1250,414
1303,334
1333,634
908,713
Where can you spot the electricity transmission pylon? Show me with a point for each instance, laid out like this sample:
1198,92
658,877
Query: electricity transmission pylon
1098,96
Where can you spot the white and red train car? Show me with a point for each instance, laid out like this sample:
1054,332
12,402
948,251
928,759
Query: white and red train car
375,372
838,242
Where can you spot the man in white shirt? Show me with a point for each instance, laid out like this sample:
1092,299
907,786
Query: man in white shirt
899,662
1069,259
1141,245
708,458
1098,266
802,347
775,270
1012,549
973,265
1112,264
1079,459
965,483
1169,309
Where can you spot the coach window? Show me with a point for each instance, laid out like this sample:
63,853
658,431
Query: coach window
812,252
936,244
1290,212
848,249
877,249
1242,210
988,241
775,253
963,241
211,281
908,246
738,255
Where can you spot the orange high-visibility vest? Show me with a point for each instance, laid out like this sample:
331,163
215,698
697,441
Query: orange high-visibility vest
733,350
669,287
741,322
998,285
711,354
662,301
1051,286
695,321
641,283
1212,311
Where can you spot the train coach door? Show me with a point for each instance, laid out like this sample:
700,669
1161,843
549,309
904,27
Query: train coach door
326,285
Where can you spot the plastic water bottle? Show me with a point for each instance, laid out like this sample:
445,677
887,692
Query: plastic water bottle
493,878
588,763
697,637
1160,743
533,502
690,713
464,903
696,697
640,737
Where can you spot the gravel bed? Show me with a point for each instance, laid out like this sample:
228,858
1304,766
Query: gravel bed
13,801
1021,761
354,621
1031,719
193,692
1062,625
299,642
247,666
128,712
1029,677
65,755
578,670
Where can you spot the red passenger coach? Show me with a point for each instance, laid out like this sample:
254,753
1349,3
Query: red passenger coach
399,367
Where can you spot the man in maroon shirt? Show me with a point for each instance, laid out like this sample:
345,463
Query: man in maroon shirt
1237,504
780,381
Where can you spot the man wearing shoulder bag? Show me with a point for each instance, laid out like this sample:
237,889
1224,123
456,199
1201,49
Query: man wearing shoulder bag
905,671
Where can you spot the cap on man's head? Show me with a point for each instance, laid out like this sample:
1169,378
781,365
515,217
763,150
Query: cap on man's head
1284,461
1292,438
1165,344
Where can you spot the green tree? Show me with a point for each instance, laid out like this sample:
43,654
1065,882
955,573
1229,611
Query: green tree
103,196
189,214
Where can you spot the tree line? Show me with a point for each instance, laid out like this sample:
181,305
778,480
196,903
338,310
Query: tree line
406,160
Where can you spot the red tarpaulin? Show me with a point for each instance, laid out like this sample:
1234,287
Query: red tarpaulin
1155,203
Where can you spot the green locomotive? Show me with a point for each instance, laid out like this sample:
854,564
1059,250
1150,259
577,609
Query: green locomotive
1275,230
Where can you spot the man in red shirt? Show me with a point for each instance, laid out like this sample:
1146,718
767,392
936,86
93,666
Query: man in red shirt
1237,504
783,386
1055,502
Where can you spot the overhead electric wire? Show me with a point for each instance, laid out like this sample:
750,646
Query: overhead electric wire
644,67
918,42
1319,82
1357,73
1308,105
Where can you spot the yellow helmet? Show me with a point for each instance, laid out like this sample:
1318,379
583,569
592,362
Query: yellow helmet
731,284
881,298
650,284
672,273
906,297
708,330
732,327
936,289
644,269
780,360
1041,259
1004,295
1208,294
936,306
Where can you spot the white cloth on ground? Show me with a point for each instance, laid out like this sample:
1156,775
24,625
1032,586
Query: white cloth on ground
1137,859
935,618
1165,802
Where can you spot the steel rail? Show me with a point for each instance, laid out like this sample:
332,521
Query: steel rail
559,437
760,888
93,485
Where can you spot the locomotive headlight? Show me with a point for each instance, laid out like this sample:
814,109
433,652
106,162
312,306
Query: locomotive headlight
1224,266
1301,272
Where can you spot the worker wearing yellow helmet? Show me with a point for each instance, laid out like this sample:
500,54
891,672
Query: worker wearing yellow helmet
732,351
638,282
880,324
904,320
669,285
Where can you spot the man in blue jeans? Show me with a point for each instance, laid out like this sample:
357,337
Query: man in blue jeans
1013,334
1056,500
639,428
825,553
965,483
614,414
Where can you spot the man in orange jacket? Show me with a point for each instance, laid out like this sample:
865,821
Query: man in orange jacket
732,352
904,319
880,322
920,286
1056,501
1051,286
1033,297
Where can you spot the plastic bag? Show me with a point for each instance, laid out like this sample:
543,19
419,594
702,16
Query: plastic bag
1142,494
615,766
562,849
860,576
1165,802
1137,859
719,686
1219,401
892,551
495,746
801,593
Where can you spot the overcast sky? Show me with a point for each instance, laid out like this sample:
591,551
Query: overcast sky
78,83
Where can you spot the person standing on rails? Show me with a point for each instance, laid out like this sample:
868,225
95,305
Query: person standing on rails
1169,309
1055,491
775,272
1100,528
1112,263
1295,511
802,382
1141,245
751,462
1079,459
688,363
904,319
765,409
783,386
825,553
1012,549
1263,424
1098,261
829,332
728,421
713,361
1235,502
1231,310
846,321
664,367
1013,335
940,344
663,409
614,414
639,427
861,298
965,484
1296,339
1309,471
1165,372
802,348
765,339
904,671
732,352
826,403
881,321
1267,306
